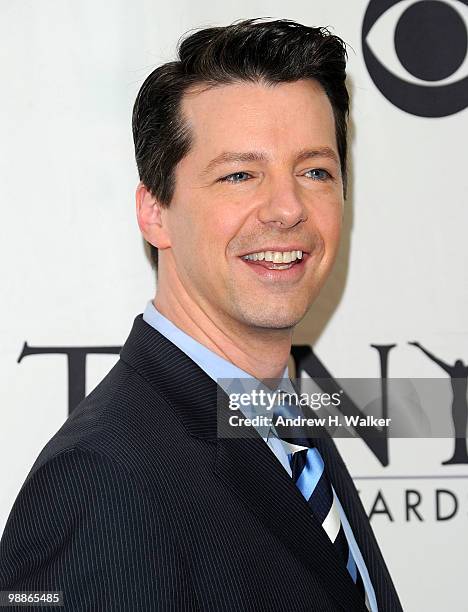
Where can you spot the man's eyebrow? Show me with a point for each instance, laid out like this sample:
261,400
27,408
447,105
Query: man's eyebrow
255,156
326,152
233,156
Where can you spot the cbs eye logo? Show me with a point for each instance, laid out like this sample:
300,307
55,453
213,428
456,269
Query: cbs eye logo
426,62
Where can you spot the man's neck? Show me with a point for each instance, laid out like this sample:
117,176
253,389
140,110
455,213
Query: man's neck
263,353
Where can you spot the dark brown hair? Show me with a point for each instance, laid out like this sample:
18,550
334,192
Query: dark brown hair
254,50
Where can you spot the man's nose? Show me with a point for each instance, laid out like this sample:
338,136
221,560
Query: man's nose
283,204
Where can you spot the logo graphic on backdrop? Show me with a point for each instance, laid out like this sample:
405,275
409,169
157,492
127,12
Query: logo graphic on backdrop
458,373
425,68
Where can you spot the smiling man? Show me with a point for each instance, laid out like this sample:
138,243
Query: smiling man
138,502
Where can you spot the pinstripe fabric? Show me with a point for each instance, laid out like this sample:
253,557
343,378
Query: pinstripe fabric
135,504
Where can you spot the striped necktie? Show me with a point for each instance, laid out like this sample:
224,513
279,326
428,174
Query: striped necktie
310,476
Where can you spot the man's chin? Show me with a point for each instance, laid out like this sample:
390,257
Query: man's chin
274,320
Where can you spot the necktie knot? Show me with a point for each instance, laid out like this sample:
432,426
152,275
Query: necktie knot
288,420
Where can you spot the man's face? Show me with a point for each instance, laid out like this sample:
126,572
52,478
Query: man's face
263,179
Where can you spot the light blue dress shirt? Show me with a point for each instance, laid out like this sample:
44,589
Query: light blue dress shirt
218,369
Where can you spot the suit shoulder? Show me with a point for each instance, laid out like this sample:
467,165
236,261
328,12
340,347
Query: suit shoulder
72,473
113,421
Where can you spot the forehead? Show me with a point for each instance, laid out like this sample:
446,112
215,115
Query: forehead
277,117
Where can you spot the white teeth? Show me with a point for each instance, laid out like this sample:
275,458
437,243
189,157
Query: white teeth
277,257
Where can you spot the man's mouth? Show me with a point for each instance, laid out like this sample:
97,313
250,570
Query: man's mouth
275,260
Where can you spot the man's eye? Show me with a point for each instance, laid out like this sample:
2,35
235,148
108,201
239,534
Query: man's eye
236,177
318,174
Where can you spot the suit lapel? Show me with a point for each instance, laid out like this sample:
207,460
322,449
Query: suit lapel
387,598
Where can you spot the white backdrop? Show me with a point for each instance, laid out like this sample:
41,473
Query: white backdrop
74,271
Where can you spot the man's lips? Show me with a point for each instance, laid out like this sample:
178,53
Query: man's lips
278,272
276,257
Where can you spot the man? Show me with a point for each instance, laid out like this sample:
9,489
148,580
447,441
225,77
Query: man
137,503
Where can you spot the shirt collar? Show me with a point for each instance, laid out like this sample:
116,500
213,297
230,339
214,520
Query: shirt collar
217,368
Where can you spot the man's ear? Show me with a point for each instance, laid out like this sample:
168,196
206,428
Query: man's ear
150,219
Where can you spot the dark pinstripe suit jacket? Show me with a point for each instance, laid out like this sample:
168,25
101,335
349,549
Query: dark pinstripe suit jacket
136,504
